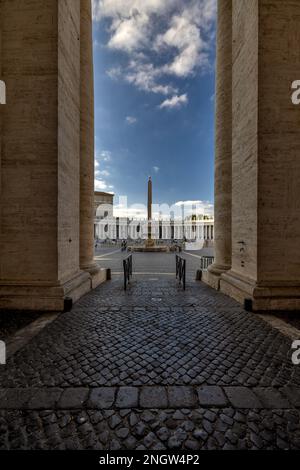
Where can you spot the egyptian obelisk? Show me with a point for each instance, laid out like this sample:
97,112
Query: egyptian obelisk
150,244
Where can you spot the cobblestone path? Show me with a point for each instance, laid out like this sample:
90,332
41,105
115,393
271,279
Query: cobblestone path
152,368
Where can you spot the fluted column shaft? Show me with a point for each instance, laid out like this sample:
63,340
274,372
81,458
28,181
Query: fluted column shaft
86,138
223,145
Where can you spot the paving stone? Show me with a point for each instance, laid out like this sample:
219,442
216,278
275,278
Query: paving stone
44,398
191,444
140,430
149,440
148,417
178,415
200,434
188,426
114,421
102,397
153,397
122,433
163,434
271,398
174,443
242,397
207,426
130,443
293,394
182,397
115,445
127,397
104,437
158,446
72,398
124,412
211,396
210,416
133,420
15,398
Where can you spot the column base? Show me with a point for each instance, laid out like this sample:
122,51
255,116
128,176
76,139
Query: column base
213,274
48,296
44,296
98,275
260,297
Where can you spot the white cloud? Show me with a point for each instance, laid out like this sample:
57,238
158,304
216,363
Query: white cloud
136,211
131,25
196,207
105,156
131,120
102,159
129,34
164,211
156,169
100,185
185,37
174,102
163,38
104,173
145,77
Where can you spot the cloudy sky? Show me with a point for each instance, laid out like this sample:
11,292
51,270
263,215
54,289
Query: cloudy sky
154,98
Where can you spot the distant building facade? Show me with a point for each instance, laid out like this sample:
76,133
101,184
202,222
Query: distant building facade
108,227
103,209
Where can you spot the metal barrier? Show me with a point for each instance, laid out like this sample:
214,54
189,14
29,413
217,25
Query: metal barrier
181,270
205,262
127,266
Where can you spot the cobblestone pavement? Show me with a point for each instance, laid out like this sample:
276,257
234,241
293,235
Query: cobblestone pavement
160,263
152,368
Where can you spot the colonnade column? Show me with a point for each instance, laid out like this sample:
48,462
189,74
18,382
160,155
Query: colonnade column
265,262
223,147
87,262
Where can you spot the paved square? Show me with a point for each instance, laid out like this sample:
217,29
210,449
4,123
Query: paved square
152,368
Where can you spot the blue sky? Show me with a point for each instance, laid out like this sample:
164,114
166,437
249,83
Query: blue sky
154,99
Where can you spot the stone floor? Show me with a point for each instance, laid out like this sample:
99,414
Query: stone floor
152,368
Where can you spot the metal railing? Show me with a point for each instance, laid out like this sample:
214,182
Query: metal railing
127,266
205,262
181,270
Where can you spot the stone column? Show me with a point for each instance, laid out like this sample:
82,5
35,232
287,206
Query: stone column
265,268
87,262
223,146
39,204
1,106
